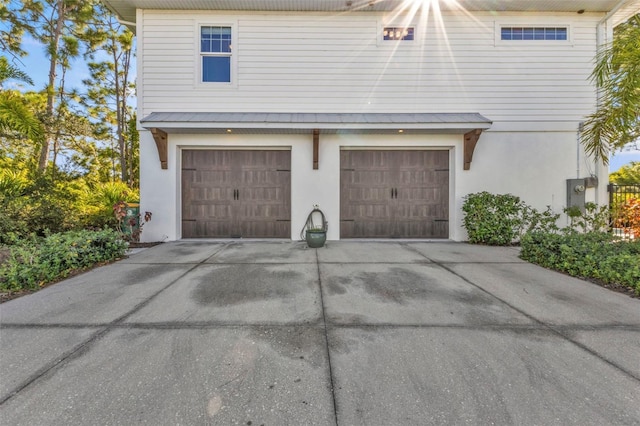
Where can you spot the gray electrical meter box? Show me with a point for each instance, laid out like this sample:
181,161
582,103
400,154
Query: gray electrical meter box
575,193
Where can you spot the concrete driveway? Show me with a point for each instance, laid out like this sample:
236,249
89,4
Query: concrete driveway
356,333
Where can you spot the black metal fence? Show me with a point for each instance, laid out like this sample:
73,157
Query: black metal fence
623,224
620,194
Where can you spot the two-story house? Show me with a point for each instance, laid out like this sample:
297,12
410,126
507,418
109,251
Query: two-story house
385,113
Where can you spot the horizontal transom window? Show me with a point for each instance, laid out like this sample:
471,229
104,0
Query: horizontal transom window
534,33
398,33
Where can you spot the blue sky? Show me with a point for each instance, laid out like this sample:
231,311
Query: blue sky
36,65
622,158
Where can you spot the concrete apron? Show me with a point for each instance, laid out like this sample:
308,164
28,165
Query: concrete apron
356,333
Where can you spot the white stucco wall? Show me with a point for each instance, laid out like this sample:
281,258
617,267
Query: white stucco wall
532,165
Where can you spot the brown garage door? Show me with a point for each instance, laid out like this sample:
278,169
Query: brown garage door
236,194
394,194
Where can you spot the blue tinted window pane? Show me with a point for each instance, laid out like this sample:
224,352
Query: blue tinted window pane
506,34
215,39
549,33
516,33
527,34
408,34
561,33
216,69
538,33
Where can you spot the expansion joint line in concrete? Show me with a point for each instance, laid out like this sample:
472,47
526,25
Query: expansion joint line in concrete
557,330
79,350
326,338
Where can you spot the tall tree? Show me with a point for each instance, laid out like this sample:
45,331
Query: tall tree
57,24
616,122
110,87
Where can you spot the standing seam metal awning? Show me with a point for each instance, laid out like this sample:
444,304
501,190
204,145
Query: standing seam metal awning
162,123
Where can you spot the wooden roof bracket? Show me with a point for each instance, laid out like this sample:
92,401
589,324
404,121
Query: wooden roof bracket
161,143
316,146
470,141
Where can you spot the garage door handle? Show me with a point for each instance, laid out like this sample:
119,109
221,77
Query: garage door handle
395,193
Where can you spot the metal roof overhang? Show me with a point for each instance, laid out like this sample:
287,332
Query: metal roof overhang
161,124
210,122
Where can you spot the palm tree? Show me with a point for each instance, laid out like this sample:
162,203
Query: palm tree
15,115
617,74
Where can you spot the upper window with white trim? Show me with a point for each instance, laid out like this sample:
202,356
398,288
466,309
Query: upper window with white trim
534,33
215,53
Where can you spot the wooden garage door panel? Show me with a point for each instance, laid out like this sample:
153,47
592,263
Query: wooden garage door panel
230,193
365,194
389,194
422,208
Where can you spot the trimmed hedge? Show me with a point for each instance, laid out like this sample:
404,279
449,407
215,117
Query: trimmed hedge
594,255
35,262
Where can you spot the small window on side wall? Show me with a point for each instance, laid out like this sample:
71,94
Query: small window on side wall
534,33
398,33
215,53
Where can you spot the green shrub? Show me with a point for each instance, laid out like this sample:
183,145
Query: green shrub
594,255
501,219
43,204
13,224
34,262
594,218
100,199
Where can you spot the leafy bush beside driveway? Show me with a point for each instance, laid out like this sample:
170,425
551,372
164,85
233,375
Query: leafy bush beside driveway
502,219
594,255
35,262
584,249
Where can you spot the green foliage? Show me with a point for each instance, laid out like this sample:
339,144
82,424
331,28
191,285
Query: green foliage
101,198
502,219
12,205
617,74
492,219
629,174
594,218
11,72
11,31
17,117
40,204
594,255
38,261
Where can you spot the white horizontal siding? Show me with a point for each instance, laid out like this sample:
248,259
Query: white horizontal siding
318,62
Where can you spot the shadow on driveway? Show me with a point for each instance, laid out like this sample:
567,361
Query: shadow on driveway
356,333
